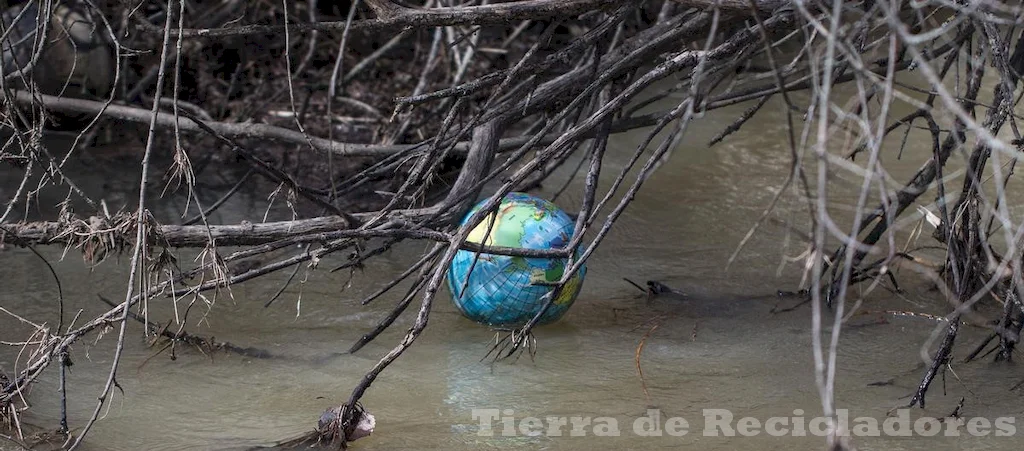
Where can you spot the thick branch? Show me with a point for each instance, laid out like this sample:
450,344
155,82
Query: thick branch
394,16
267,131
229,130
478,163
321,229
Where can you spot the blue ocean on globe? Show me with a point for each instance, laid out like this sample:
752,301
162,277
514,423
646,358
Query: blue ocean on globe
504,290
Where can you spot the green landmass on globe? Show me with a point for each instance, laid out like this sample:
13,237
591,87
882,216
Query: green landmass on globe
503,290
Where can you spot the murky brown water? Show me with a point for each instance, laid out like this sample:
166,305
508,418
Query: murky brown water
718,349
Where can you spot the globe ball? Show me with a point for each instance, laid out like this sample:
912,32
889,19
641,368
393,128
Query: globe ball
501,290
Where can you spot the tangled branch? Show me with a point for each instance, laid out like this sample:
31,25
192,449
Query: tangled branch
441,106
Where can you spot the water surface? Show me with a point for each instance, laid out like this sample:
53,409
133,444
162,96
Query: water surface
717,348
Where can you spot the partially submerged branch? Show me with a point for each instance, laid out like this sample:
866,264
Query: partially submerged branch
518,118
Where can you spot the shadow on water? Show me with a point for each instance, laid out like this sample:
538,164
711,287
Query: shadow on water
716,346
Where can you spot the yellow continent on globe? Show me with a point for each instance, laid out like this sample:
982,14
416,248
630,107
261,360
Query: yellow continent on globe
569,290
506,229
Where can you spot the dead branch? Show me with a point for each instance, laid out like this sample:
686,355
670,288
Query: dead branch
394,16
484,104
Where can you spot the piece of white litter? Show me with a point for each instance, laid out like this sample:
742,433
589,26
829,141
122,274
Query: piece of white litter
365,426
929,216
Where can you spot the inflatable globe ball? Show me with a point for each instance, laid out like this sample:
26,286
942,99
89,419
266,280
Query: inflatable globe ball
507,290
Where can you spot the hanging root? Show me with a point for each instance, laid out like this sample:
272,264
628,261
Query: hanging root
513,342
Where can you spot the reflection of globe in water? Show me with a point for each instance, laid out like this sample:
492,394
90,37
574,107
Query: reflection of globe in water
505,290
